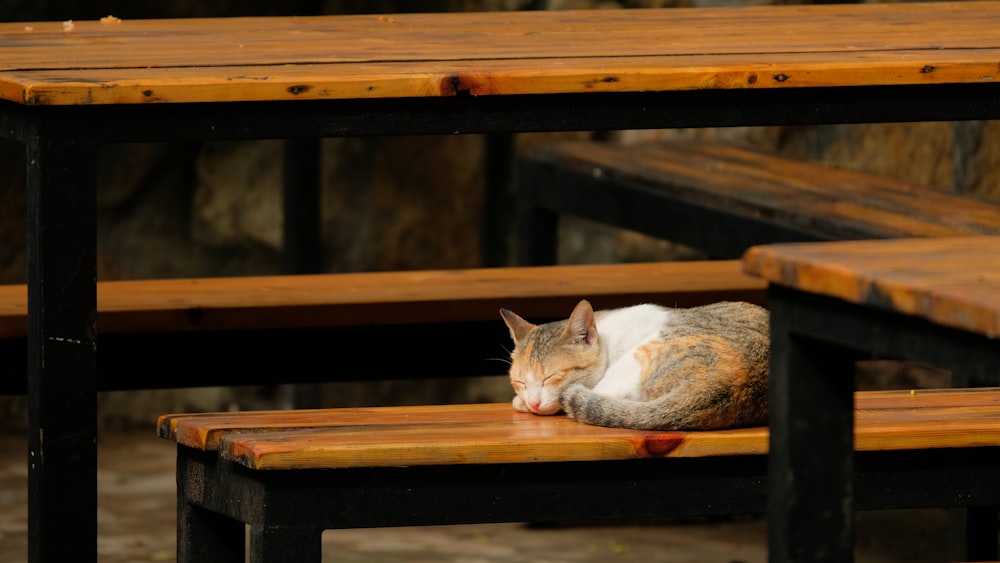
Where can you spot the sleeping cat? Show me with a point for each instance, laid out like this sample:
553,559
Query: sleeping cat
645,367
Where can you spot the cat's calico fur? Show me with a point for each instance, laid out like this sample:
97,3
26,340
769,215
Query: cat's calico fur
645,367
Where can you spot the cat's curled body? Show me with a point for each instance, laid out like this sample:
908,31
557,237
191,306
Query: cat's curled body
645,367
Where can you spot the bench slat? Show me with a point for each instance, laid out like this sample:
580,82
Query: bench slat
495,433
381,298
832,203
766,172
950,281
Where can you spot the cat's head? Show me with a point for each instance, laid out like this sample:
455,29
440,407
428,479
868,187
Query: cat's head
550,357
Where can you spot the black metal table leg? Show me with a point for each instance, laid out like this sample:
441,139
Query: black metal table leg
62,296
811,472
498,208
301,245
537,231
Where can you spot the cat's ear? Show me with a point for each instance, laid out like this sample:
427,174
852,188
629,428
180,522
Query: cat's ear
518,326
581,327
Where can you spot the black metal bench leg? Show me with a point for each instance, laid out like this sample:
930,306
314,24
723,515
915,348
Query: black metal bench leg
61,356
204,536
972,531
811,464
273,544
973,534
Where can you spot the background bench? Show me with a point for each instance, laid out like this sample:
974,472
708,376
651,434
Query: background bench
292,474
283,329
723,199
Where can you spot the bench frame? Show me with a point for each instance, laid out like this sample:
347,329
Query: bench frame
547,189
216,497
722,199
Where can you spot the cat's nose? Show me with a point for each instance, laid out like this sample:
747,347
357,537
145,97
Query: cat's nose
534,404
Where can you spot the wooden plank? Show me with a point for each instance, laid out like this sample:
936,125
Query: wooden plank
322,57
414,297
527,440
495,433
817,184
837,203
316,81
205,430
924,398
951,281
491,35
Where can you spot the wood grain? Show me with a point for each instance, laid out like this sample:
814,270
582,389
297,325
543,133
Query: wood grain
491,53
495,433
838,204
954,281
429,296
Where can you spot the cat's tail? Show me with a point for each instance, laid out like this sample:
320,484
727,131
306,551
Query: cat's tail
673,411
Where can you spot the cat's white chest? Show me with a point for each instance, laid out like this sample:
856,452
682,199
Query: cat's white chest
622,379
623,332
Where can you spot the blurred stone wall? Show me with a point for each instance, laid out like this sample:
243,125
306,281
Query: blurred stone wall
214,209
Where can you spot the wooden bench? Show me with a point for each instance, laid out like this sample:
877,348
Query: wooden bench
722,199
292,474
930,300
200,330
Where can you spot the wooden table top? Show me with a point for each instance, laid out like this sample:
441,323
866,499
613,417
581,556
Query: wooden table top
536,52
495,433
953,281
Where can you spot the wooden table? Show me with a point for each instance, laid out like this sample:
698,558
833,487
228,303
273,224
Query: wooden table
66,89
934,300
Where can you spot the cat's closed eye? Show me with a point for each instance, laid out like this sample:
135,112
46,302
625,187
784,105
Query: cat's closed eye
554,380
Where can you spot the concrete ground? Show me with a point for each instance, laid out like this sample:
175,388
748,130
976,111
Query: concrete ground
137,524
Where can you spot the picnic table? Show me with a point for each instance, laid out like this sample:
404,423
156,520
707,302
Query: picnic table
934,300
67,87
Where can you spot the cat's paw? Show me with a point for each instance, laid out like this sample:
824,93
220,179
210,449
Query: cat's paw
570,399
519,404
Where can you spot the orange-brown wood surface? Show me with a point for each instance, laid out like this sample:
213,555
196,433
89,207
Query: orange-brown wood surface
953,281
338,57
495,433
430,296
840,204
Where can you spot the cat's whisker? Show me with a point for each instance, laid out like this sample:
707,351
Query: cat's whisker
504,360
